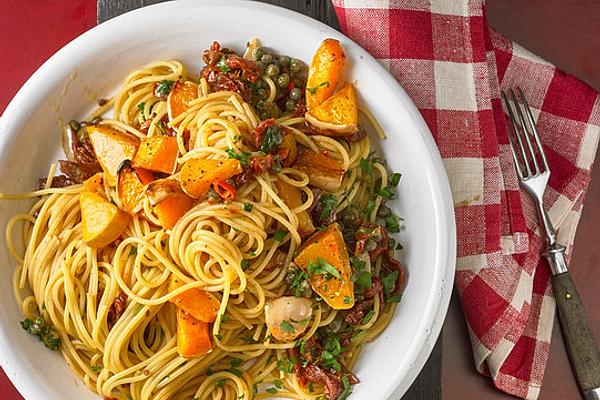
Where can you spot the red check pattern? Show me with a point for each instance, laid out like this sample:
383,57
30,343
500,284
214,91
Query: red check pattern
453,66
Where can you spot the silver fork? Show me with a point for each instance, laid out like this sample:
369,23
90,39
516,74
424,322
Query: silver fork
532,167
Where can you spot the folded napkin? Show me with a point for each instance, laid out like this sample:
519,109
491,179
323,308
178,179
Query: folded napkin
453,66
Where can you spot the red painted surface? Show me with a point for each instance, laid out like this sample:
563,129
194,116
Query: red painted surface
30,32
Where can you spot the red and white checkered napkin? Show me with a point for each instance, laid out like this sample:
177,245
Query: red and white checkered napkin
451,64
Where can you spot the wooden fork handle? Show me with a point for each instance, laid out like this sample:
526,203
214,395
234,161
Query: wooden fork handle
578,337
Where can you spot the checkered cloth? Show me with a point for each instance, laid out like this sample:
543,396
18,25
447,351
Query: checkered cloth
453,66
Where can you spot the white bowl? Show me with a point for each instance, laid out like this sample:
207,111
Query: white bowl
93,65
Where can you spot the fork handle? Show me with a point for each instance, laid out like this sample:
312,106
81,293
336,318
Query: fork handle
578,337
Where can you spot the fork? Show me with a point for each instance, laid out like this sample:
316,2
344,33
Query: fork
533,171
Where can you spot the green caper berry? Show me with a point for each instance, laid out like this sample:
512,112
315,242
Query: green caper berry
264,115
290,105
262,66
295,94
257,53
284,61
295,65
283,80
298,82
267,58
261,94
272,70
261,105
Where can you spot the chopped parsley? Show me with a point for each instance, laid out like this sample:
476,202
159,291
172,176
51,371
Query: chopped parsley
347,388
328,203
392,224
243,158
394,179
366,166
322,267
271,390
236,362
220,337
389,282
297,280
137,309
279,235
141,106
287,327
368,317
358,264
272,138
96,368
386,193
364,279
285,365
278,384
222,65
248,207
347,299
313,90
220,383
394,299
45,332
245,264
164,87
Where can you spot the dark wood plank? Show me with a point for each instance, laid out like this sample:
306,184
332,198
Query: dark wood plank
427,386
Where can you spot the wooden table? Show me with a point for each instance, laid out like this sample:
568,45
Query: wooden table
449,372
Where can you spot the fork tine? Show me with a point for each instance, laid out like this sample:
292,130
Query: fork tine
525,132
513,120
514,155
536,134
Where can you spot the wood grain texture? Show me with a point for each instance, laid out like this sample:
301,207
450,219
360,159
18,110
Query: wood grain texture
427,385
577,334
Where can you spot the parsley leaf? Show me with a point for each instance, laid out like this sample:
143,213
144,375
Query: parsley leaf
368,317
242,157
245,264
389,282
279,235
141,106
287,327
394,179
272,138
328,203
365,280
391,224
248,207
278,383
322,267
313,90
347,299
45,332
394,299
222,65
285,365
96,368
347,388
366,166
271,390
386,193
164,87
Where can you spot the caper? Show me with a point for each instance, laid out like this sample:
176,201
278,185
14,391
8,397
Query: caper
283,80
275,111
260,84
272,70
264,115
290,105
298,82
295,94
384,212
262,66
295,65
261,105
257,53
261,94
267,58
284,61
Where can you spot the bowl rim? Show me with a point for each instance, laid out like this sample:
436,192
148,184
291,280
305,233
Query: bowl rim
445,261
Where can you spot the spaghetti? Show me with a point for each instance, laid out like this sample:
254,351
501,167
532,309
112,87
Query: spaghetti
114,307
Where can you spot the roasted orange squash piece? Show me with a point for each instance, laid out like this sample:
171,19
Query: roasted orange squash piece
102,222
130,189
146,176
197,175
292,197
112,147
193,336
157,153
323,171
328,246
171,209
199,304
324,72
338,115
93,183
179,98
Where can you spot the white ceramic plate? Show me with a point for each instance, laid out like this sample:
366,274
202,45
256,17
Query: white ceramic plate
93,66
